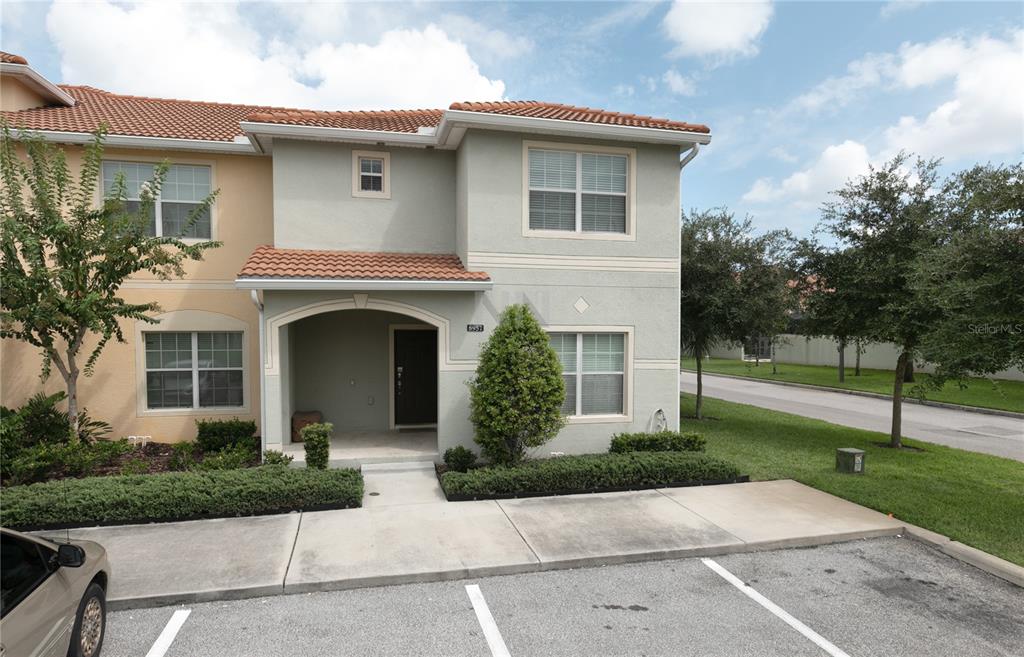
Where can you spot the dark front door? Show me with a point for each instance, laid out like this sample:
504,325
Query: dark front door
415,377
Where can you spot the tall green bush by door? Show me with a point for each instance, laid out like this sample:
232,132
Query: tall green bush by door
517,394
316,439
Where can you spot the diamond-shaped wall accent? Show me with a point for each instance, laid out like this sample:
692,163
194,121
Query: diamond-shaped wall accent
581,305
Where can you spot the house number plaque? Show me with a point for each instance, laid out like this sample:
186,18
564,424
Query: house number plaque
474,328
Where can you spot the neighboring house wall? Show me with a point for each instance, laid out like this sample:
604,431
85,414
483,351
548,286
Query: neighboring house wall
801,350
241,220
732,352
14,95
314,205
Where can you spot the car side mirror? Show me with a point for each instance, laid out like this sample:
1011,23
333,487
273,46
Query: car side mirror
70,556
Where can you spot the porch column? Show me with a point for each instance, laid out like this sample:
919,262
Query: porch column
277,404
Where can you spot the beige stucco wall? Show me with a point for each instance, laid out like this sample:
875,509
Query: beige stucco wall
16,96
242,220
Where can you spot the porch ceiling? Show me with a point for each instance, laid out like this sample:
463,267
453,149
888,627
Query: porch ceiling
273,268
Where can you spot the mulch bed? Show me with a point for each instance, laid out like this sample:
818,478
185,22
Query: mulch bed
155,455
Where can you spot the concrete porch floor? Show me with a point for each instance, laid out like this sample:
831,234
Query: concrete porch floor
353,448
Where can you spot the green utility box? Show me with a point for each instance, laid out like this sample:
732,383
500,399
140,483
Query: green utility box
850,460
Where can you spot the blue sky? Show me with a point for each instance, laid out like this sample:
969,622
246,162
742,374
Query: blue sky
799,95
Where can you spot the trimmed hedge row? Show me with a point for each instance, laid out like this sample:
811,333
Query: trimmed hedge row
662,441
177,496
589,472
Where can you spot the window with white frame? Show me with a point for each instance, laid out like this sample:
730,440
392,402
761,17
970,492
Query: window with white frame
370,174
577,191
593,368
184,189
194,369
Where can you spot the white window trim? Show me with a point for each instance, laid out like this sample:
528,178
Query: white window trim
580,149
146,159
191,321
385,192
627,383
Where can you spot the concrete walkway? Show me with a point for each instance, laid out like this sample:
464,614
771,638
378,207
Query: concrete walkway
978,432
422,539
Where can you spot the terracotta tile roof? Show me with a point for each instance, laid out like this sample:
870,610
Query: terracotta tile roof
8,58
269,262
137,116
541,110
387,120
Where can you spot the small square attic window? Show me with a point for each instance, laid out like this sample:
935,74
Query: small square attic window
370,174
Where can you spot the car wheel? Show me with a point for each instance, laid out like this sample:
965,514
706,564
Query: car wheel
90,623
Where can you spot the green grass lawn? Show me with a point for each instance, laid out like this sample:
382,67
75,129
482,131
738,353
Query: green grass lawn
973,498
1003,395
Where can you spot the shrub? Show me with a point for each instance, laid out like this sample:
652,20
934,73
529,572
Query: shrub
274,457
459,458
317,440
183,456
215,435
44,461
517,393
43,422
135,466
662,441
178,495
229,458
589,472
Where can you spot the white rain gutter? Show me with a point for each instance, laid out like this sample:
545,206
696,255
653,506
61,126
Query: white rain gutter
358,284
160,143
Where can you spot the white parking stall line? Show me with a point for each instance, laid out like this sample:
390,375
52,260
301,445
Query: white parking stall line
819,640
166,638
487,624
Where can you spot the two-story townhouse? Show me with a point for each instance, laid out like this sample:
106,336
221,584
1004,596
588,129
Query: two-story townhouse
371,254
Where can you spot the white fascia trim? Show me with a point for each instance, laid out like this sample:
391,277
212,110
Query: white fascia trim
454,118
356,284
338,134
30,76
160,143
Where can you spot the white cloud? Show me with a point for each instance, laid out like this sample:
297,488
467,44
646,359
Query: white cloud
809,187
835,92
627,90
626,14
112,46
679,84
717,29
481,39
894,7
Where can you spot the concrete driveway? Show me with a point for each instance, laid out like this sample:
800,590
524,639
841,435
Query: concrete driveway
978,432
887,597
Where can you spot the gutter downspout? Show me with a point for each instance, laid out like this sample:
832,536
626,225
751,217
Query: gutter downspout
690,154
255,296
684,159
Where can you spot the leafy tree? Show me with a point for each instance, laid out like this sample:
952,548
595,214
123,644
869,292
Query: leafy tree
888,217
732,284
833,304
64,259
975,275
516,397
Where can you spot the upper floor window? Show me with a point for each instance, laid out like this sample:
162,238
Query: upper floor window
371,174
578,191
184,189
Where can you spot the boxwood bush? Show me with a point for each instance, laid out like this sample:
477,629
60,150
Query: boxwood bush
662,441
177,496
589,472
215,435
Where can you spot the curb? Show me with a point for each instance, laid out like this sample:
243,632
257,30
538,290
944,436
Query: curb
144,602
989,563
874,395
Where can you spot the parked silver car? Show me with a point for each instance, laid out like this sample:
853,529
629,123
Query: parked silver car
53,600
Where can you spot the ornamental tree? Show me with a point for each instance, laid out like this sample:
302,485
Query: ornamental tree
517,394
888,216
732,284
65,257
975,275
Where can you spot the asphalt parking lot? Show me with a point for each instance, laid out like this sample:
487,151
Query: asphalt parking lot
886,596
